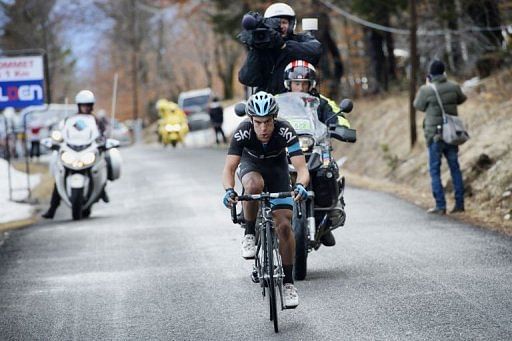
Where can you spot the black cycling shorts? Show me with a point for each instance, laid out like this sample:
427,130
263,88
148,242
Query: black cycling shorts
275,175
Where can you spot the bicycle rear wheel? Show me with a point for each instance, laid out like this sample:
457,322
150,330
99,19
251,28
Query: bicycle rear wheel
271,280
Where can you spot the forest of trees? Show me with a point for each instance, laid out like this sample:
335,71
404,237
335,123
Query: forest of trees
162,47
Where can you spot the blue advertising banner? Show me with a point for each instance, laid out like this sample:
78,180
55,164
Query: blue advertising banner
21,94
21,81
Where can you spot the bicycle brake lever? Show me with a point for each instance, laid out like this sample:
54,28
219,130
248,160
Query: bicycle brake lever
234,214
299,209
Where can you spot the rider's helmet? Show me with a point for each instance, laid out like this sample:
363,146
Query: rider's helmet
261,104
282,10
299,70
160,104
172,106
85,97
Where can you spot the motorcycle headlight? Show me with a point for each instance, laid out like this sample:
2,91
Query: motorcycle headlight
78,161
172,127
88,158
306,143
68,158
57,136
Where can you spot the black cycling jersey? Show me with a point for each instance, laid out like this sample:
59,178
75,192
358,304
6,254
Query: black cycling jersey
245,143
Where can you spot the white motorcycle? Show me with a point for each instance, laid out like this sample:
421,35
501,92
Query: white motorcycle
82,163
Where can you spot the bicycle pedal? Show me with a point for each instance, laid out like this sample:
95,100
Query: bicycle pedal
289,308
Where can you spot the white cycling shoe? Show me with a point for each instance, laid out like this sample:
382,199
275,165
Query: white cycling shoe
291,298
249,246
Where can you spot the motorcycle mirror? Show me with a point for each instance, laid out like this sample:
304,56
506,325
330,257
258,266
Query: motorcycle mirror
240,109
111,143
346,105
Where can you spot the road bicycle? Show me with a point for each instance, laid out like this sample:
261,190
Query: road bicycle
268,268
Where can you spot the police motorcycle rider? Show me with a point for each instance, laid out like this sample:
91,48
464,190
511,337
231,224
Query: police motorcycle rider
300,76
85,102
272,44
259,146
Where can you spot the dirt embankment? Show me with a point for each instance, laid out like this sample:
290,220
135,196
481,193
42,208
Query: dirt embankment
383,159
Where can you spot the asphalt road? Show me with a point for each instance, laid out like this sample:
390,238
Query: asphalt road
162,262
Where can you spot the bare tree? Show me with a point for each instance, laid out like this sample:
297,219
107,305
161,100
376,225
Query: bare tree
32,25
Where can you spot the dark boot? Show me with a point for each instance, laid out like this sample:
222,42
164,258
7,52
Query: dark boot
436,210
328,239
54,204
457,209
49,214
104,196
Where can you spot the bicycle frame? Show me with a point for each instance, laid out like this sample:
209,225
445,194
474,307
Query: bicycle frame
267,262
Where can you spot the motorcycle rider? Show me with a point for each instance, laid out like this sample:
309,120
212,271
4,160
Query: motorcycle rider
85,101
265,62
260,146
170,112
300,76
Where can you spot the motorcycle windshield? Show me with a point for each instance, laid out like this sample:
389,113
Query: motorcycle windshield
80,130
300,110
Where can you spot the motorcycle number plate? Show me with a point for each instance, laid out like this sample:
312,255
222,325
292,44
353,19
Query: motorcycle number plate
300,124
77,181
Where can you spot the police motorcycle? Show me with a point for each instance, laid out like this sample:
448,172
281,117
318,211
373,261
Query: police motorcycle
82,162
324,210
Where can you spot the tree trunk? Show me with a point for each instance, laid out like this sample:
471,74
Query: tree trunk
390,47
378,60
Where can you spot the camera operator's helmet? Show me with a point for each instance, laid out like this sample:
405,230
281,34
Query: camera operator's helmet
282,10
299,70
85,97
261,104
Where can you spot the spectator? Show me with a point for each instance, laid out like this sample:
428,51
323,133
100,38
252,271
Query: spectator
451,95
217,118
35,141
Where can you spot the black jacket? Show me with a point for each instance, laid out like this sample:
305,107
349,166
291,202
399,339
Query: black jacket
216,113
264,68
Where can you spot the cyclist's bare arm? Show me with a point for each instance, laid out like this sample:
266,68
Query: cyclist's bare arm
299,162
228,174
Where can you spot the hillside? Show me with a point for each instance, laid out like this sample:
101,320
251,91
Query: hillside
382,157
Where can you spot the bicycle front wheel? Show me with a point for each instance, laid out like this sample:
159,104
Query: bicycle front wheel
271,280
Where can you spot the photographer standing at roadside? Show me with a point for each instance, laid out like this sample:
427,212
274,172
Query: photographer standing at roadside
273,44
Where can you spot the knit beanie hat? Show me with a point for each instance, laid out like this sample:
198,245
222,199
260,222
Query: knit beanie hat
436,68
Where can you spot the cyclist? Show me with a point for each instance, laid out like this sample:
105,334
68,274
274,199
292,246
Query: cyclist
260,146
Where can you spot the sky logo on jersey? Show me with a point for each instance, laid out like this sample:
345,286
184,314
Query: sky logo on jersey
287,134
242,134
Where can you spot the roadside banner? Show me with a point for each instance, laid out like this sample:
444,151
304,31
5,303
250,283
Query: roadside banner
21,81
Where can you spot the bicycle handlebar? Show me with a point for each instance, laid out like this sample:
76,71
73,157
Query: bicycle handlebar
264,195
256,197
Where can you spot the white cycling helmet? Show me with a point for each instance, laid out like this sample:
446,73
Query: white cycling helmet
85,97
261,104
282,10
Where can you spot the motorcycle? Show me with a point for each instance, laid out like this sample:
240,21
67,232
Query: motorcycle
82,162
172,130
324,210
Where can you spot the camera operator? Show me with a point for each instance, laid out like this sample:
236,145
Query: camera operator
273,44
